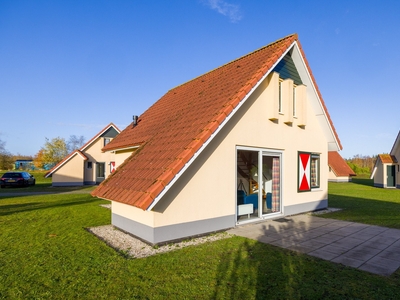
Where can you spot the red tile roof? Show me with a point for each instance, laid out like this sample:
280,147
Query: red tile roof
339,165
81,150
387,159
171,131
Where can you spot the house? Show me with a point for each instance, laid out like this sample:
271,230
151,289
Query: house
386,171
87,165
244,142
24,164
339,170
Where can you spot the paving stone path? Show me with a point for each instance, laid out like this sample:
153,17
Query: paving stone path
370,248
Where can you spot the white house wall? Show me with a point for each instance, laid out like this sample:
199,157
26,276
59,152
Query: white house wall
69,174
396,152
94,154
333,178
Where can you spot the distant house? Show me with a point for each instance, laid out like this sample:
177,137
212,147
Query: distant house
386,171
339,170
87,165
24,164
244,142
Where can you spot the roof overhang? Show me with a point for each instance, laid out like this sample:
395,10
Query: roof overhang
214,134
63,162
123,149
316,103
315,100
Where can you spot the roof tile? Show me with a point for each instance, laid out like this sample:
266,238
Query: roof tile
339,165
387,158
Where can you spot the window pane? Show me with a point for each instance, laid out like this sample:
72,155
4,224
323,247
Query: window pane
314,171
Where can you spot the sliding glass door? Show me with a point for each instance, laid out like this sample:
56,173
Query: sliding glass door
258,183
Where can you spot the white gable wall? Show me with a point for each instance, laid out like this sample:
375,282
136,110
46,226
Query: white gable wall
70,173
94,154
396,152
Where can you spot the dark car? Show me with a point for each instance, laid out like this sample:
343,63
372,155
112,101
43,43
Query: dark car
17,179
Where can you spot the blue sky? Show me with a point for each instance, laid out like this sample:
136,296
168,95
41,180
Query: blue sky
72,67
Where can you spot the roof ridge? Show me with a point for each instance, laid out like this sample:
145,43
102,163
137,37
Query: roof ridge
295,35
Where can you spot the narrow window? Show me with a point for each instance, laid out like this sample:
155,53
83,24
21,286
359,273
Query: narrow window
315,170
106,141
89,165
280,97
294,102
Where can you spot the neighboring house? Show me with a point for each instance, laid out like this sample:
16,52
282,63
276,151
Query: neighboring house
244,142
339,170
87,165
24,164
386,171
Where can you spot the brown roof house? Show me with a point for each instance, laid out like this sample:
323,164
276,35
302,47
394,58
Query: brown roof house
88,165
386,172
339,170
244,142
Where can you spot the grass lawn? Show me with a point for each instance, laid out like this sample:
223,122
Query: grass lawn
46,253
42,185
361,202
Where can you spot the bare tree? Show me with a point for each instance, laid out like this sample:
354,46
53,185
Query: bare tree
6,159
75,142
52,152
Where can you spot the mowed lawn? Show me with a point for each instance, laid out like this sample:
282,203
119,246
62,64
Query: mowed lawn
46,253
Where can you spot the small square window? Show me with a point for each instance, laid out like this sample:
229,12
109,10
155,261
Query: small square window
89,165
106,141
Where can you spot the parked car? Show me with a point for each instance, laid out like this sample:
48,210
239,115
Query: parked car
17,179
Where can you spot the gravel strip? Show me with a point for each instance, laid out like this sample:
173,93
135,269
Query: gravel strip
135,248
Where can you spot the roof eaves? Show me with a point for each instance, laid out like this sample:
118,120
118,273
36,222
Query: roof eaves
64,161
319,95
121,149
99,134
219,128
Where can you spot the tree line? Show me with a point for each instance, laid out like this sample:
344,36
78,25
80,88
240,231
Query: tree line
51,153
362,164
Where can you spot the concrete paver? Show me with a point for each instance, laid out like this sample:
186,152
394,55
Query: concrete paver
370,248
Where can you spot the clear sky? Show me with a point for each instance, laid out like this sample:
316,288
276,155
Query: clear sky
72,67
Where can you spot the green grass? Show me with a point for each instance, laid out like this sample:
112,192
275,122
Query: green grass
361,202
42,185
46,253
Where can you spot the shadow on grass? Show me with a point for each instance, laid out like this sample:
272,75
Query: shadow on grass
363,181
43,190
10,209
368,211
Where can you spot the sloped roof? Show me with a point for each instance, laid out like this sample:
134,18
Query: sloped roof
387,159
174,128
81,150
339,165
